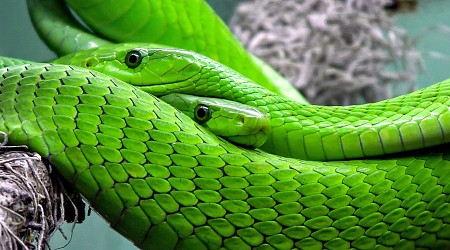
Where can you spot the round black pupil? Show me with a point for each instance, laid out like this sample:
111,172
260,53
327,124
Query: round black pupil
133,58
201,112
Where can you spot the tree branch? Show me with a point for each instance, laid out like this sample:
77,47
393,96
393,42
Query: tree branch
31,200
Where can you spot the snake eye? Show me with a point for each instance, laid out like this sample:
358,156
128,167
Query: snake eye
202,113
133,59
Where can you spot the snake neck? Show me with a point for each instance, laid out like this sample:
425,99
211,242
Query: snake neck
413,121
416,120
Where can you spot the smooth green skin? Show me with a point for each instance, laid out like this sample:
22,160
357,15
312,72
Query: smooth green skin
164,182
186,24
413,121
238,123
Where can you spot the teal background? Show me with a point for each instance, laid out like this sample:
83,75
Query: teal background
18,39
421,26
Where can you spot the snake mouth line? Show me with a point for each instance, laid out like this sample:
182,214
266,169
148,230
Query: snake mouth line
164,88
159,84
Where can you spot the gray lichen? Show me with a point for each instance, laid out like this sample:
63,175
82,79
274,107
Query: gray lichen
335,52
31,202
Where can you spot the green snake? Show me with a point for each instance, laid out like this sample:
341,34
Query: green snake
413,121
238,123
164,182
186,24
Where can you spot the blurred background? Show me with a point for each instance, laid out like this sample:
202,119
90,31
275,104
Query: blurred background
424,24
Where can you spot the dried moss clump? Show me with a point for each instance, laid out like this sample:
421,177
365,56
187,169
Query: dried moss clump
334,52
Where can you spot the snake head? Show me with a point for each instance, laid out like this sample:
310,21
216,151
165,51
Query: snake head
155,69
238,123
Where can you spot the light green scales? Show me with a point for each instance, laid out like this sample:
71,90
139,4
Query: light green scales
416,120
165,182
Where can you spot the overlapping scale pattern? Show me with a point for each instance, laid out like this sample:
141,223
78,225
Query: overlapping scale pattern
413,121
416,120
164,182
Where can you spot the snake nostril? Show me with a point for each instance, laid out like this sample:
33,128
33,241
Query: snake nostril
88,63
240,121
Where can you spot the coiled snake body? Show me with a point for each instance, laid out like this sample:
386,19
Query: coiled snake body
165,182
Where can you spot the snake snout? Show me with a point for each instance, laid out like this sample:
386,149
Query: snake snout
256,124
